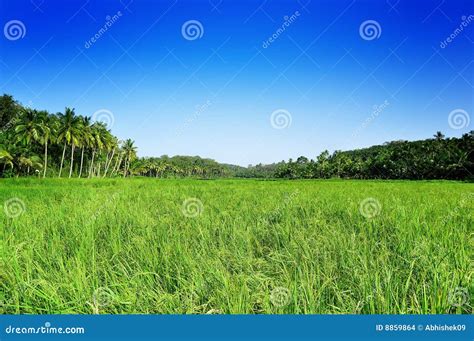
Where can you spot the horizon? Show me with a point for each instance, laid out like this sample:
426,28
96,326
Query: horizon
295,157
310,157
340,76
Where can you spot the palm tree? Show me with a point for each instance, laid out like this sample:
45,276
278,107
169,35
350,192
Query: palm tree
86,139
112,143
47,129
68,133
29,161
63,133
97,132
130,152
107,145
439,136
6,158
75,136
29,128
119,158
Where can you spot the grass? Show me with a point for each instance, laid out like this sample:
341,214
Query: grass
125,246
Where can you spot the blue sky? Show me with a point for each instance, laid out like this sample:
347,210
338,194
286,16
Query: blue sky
214,95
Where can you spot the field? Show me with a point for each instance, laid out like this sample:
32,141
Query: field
235,246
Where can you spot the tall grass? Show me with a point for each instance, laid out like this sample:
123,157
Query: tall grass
126,246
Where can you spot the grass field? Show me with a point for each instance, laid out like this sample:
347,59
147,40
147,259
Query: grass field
235,246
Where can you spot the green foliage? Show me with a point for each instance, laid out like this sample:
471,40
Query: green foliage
180,166
438,158
125,246
35,143
9,111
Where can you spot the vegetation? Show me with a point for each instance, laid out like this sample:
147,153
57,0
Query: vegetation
180,166
65,144
89,244
36,142
436,158
246,246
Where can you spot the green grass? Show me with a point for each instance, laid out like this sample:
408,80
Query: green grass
125,246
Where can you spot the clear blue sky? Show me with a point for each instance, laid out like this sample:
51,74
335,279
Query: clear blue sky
214,96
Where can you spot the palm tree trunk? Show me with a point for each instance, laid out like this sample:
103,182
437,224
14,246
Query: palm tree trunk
62,160
106,159
45,158
125,168
92,163
117,164
82,160
108,165
72,159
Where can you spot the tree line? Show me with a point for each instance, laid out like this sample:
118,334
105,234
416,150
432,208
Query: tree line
434,158
180,166
39,143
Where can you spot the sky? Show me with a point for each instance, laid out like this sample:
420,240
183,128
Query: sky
246,82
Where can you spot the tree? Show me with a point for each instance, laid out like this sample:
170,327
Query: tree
130,152
26,134
29,127
98,130
47,126
322,165
85,140
438,136
113,144
9,111
6,158
68,133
